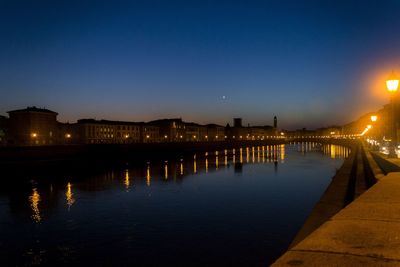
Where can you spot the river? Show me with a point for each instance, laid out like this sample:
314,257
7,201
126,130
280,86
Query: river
238,207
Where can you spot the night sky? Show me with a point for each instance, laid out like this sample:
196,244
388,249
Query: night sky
311,63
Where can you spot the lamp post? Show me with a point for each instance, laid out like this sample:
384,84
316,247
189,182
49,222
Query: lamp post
375,134
392,84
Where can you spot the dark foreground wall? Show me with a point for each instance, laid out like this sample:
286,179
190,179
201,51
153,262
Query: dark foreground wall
112,152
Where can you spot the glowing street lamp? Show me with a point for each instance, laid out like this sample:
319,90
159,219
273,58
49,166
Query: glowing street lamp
374,118
392,84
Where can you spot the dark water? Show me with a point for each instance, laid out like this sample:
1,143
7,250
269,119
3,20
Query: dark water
230,208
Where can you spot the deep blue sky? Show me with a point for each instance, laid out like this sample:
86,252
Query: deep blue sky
311,63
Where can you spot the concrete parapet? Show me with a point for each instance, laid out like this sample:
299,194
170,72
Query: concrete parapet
366,232
331,202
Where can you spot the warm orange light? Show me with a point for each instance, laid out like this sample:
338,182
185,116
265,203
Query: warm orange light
34,135
369,126
67,135
365,131
374,118
392,83
34,200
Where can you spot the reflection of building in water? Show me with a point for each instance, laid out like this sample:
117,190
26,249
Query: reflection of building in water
335,151
166,170
181,167
238,167
69,196
194,164
34,200
263,153
127,180
216,160
35,203
148,177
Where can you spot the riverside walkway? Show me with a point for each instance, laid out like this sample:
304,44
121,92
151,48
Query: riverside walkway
365,232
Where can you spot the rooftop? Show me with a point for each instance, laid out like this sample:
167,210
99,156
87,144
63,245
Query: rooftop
109,122
33,109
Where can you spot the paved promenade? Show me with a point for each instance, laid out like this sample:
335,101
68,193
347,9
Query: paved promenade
366,232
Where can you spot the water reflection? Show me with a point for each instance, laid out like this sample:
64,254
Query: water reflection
274,154
181,167
216,160
100,195
127,180
148,177
194,164
69,196
166,170
334,151
34,200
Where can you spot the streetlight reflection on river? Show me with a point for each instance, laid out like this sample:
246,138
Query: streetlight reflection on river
392,84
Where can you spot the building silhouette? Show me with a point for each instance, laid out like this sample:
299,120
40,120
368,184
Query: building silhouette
32,126
37,126
3,129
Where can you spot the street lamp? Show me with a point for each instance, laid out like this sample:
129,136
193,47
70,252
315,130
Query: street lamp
374,118
392,84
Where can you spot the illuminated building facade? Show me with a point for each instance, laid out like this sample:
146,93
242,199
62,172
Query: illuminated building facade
150,133
35,126
32,126
90,131
192,133
215,132
171,130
